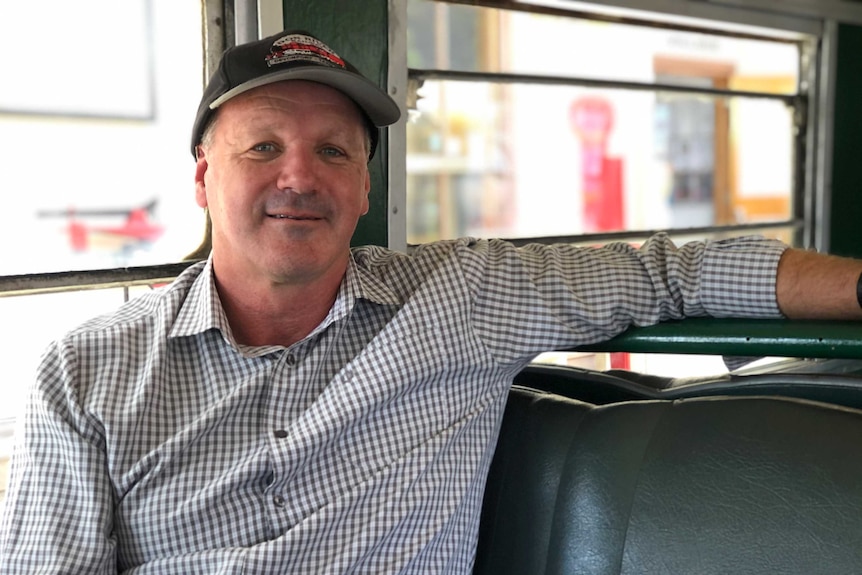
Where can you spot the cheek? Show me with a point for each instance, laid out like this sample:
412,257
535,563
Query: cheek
223,189
214,197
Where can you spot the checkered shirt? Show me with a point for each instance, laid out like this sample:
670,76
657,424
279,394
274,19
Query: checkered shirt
154,443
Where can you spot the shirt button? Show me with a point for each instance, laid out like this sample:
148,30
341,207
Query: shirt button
291,360
281,433
278,500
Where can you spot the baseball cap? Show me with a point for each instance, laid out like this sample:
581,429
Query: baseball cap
292,55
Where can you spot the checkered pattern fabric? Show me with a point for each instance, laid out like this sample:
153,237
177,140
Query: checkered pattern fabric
153,443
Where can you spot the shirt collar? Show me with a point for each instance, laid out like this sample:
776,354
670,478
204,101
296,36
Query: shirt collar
201,309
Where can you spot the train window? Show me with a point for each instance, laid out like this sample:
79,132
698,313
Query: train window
535,123
96,170
553,121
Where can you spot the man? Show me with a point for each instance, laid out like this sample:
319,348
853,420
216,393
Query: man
292,406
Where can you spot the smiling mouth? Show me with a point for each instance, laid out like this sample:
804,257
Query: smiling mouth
296,218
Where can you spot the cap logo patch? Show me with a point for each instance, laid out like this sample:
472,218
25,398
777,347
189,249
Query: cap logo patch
296,47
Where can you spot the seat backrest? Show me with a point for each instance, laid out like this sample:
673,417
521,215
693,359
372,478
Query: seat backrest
696,486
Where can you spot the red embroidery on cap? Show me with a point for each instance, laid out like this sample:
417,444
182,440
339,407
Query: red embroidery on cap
300,47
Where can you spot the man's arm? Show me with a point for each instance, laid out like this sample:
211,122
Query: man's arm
817,286
58,515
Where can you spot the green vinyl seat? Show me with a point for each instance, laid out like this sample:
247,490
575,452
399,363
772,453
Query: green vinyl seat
694,486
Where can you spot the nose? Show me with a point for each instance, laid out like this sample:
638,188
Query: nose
297,170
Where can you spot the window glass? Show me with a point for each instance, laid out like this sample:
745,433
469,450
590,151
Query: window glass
478,39
522,159
95,166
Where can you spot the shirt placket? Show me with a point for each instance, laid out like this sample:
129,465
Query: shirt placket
298,377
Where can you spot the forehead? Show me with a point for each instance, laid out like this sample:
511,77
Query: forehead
295,97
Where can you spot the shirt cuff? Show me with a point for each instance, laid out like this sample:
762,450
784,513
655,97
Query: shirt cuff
738,277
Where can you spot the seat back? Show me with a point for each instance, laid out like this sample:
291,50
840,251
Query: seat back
705,485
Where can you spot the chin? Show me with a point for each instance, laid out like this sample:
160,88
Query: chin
295,267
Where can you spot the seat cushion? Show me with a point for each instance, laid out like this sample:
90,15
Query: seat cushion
704,485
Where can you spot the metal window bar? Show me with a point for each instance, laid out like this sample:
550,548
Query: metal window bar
51,282
420,75
659,20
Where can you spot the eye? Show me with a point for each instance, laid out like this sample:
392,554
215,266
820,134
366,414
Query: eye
264,148
331,152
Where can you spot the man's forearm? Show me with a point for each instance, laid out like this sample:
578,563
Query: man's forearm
817,286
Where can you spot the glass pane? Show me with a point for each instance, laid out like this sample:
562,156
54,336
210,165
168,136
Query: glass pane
521,161
95,166
477,39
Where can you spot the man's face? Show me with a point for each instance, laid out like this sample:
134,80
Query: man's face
285,179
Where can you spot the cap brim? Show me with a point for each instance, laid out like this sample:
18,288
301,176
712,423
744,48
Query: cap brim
379,107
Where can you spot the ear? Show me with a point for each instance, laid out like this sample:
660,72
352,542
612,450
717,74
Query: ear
366,191
200,182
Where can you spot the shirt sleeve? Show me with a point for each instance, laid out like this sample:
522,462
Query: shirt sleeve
57,517
543,297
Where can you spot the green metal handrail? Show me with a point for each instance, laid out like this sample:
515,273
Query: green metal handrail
734,337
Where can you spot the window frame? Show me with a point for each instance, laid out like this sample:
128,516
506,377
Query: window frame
812,104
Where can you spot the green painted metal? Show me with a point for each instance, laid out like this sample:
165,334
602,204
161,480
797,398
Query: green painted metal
359,31
846,211
734,337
